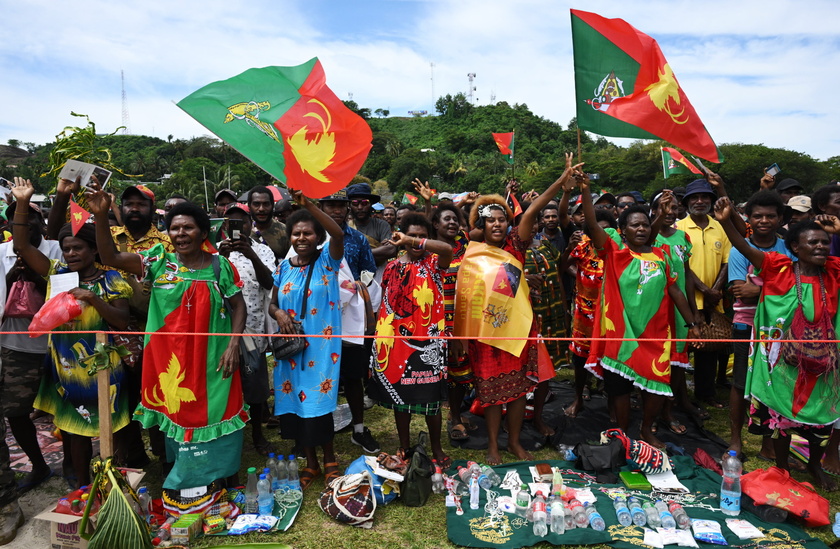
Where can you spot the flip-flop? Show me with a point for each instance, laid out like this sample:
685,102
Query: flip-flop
331,471
444,463
458,432
29,481
674,426
307,475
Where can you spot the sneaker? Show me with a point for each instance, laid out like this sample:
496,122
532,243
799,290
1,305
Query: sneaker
365,440
11,518
369,402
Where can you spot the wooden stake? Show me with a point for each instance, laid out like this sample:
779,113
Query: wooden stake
103,386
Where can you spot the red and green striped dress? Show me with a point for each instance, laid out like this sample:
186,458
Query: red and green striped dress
679,246
634,305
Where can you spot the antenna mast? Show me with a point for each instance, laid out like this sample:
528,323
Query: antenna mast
470,92
125,120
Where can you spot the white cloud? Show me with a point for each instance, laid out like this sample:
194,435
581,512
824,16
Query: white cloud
755,71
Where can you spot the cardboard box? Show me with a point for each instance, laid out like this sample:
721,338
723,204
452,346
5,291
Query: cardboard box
64,529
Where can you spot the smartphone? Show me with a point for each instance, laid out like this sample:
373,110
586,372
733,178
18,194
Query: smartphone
773,170
593,176
235,228
5,182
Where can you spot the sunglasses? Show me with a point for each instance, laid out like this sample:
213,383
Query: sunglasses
363,202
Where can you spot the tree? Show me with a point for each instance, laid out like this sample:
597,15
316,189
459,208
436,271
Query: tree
453,107
14,143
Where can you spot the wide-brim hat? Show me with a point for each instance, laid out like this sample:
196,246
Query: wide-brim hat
698,186
361,190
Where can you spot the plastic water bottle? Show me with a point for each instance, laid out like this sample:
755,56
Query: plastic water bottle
164,533
557,487
665,516
679,515
523,501
145,501
460,489
251,505
568,519
558,516
494,477
836,526
437,481
474,491
265,501
730,488
76,507
639,516
271,463
269,476
472,468
294,476
622,512
280,480
566,452
595,518
652,515
540,517
578,513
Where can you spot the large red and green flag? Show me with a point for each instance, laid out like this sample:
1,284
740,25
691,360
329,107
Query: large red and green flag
505,143
288,122
625,87
673,162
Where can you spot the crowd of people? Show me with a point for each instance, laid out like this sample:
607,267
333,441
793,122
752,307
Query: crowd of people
615,286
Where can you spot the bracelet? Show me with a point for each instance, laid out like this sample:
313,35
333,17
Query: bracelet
423,244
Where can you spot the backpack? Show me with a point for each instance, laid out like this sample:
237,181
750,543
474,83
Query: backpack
417,486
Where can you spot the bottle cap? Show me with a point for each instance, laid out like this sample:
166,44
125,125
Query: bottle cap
142,490
262,476
733,453
271,454
252,470
281,457
291,457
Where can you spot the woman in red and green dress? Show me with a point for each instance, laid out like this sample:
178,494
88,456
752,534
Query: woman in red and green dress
409,375
447,220
191,387
637,302
786,397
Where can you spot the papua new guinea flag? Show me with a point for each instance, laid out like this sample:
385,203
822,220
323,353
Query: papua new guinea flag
288,122
625,88
505,143
673,162
491,300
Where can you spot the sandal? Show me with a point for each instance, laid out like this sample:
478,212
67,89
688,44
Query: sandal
307,475
675,427
331,472
264,448
444,463
458,432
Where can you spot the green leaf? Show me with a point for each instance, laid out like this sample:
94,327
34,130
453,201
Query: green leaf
118,525
255,546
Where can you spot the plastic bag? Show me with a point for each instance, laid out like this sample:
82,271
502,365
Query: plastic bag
62,308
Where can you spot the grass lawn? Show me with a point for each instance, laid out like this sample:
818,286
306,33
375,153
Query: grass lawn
396,525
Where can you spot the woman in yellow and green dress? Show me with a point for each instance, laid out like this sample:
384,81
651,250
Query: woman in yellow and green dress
68,392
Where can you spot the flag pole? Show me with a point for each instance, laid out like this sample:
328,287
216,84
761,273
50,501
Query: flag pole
578,137
513,157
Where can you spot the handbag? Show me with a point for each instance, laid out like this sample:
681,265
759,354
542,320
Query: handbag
350,499
24,300
285,347
417,486
718,328
814,353
775,487
639,454
599,458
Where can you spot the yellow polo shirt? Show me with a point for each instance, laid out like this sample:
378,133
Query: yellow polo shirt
709,252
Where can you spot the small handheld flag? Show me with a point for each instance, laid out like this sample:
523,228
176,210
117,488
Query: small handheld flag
673,162
505,143
78,216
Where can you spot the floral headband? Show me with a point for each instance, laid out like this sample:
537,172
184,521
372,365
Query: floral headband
485,211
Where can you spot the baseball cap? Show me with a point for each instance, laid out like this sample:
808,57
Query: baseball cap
228,192
446,196
800,203
338,196
142,189
378,207
788,183
238,206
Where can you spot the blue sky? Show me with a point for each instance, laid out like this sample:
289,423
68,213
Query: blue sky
755,71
